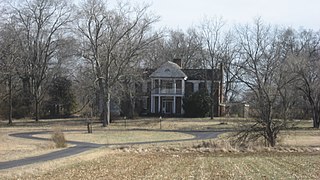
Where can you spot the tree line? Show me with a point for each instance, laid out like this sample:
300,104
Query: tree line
59,57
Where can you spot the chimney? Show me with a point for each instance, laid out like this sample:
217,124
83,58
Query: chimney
178,61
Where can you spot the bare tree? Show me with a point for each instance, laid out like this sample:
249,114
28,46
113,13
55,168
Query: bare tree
185,46
261,61
41,23
175,44
9,58
130,89
305,64
112,40
85,90
229,54
156,54
211,33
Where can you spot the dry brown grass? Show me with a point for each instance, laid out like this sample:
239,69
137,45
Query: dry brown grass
191,165
122,136
16,148
174,161
29,171
225,146
217,159
179,123
300,138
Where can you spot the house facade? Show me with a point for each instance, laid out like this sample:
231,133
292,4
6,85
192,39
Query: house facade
167,85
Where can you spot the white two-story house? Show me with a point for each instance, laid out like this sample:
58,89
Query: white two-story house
168,84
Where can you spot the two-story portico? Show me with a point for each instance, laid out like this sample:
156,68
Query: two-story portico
167,89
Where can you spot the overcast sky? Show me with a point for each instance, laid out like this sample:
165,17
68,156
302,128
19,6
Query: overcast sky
185,13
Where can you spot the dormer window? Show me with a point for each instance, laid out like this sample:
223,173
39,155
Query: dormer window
167,70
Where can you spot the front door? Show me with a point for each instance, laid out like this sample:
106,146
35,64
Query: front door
167,106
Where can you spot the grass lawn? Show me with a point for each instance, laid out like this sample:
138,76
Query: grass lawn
12,148
121,136
192,165
304,138
181,123
159,161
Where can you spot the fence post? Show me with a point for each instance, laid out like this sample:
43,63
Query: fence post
89,126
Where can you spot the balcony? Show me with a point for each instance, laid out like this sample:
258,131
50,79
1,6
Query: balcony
167,91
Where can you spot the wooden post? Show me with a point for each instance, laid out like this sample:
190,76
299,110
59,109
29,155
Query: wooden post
89,126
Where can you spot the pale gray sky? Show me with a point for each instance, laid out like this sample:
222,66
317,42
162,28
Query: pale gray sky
185,13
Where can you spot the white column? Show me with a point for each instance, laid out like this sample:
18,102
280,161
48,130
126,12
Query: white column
159,86
195,86
152,104
159,104
183,86
174,87
152,86
174,104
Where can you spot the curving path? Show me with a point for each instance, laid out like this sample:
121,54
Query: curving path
84,146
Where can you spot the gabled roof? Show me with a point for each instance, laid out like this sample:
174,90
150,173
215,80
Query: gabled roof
168,70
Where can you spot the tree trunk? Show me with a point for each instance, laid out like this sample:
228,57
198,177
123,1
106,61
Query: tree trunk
270,135
104,100
36,93
316,120
104,115
211,109
212,99
10,100
108,108
107,87
102,109
37,108
132,106
102,103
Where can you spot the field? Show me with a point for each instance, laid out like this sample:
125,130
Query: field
193,165
297,155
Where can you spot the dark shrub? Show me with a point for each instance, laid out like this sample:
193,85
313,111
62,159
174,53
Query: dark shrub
197,104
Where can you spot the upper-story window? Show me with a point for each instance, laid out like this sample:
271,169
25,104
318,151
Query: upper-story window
202,86
167,84
189,88
156,83
179,84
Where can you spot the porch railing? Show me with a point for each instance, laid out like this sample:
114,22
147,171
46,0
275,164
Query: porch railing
167,91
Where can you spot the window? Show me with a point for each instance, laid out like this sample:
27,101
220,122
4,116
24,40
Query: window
202,86
167,84
189,88
179,84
